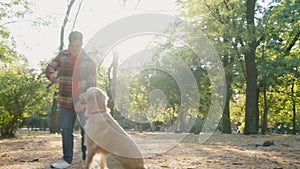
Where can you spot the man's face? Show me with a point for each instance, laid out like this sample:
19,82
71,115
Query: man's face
75,47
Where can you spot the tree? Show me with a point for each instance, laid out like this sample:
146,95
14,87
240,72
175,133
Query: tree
287,17
279,59
13,11
10,12
219,21
110,86
237,29
18,100
252,112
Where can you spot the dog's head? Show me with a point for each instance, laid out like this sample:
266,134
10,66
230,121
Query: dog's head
94,98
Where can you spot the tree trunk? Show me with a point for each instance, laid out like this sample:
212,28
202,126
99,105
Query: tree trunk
226,123
264,127
264,121
76,16
153,127
252,113
54,116
111,74
62,31
140,123
181,123
294,108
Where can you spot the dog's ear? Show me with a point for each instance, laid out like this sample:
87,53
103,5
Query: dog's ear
101,100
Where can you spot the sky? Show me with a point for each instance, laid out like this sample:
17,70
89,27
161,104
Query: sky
40,43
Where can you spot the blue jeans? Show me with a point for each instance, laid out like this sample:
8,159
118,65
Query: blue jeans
67,120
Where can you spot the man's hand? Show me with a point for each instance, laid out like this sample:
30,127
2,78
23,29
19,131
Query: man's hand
53,79
79,107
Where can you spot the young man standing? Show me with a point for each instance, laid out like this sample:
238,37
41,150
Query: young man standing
75,72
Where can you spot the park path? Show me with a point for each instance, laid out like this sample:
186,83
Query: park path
163,150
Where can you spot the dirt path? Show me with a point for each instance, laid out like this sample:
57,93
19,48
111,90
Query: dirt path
39,150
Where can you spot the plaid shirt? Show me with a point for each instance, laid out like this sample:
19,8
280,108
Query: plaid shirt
84,76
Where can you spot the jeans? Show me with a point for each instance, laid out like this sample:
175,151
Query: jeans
67,120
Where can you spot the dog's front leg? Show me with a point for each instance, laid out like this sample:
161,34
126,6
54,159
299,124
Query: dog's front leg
103,161
90,159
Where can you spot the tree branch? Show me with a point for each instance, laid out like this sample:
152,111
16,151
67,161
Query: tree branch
293,42
137,4
226,5
62,31
262,38
15,21
215,13
77,13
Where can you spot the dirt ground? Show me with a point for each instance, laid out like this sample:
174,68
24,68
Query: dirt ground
40,149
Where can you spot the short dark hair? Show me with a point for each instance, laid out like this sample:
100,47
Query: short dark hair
75,35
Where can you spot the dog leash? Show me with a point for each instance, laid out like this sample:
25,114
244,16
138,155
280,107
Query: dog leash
98,112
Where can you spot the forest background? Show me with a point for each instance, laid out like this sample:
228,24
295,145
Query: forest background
257,43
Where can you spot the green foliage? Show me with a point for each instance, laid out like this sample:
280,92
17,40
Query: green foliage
276,29
157,94
23,93
158,91
279,62
13,9
10,11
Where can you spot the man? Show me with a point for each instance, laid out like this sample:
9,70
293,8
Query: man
75,72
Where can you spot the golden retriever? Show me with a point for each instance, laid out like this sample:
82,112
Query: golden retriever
105,137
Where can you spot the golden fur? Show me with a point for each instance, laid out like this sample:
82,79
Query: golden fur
105,137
